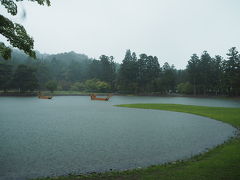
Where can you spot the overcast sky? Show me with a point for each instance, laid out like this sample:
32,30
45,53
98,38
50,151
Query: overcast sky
172,30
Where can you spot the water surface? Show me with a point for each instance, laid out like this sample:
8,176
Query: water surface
65,135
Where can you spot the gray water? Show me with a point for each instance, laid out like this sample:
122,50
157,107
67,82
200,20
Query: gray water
40,138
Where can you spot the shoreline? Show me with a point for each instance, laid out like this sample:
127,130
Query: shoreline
70,93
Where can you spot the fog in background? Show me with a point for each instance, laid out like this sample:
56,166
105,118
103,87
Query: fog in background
172,30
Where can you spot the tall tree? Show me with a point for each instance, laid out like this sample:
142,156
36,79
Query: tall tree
94,69
51,85
5,76
108,69
74,72
142,72
127,77
24,79
168,77
42,73
193,71
217,75
231,68
205,72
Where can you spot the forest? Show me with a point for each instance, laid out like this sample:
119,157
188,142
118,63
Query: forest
143,74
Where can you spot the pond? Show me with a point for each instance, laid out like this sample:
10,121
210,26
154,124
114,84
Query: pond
71,134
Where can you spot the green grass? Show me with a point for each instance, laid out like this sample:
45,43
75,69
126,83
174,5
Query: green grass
220,163
228,115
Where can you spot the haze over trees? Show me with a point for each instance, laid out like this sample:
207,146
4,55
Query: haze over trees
215,75
143,74
24,79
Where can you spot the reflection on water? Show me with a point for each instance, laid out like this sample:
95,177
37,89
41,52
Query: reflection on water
75,135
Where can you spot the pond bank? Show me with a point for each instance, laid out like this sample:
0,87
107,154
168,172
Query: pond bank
77,93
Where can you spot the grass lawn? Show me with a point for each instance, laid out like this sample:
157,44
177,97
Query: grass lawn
220,163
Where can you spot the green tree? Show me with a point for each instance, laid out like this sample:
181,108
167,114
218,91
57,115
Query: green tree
94,69
108,69
51,85
182,76
217,75
24,79
205,72
78,86
5,76
138,75
142,77
58,69
168,78
148,70
90,85
42,73
231,68
95,85
193,71
128,72
185,88
64,85
152,72
14,32
102,86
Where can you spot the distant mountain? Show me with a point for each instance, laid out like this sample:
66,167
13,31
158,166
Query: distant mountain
66,57
20,57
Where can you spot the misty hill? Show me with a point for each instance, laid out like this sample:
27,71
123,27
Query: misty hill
67,57
204,75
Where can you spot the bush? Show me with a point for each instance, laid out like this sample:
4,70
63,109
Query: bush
95,85
78,86
51,85
185,88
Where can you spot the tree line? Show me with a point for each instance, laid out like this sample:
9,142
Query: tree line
204,75
214,75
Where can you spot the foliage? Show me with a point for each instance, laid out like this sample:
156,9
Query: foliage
95,85
204,75
137,75
102,86
14,32
185,88
231,68
51,85
128,72
5,52
168,78
43,73
64,85
78,86
5,76
193,71
24,79
214,75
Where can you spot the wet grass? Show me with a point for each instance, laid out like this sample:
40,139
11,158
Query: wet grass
227,115
220,163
